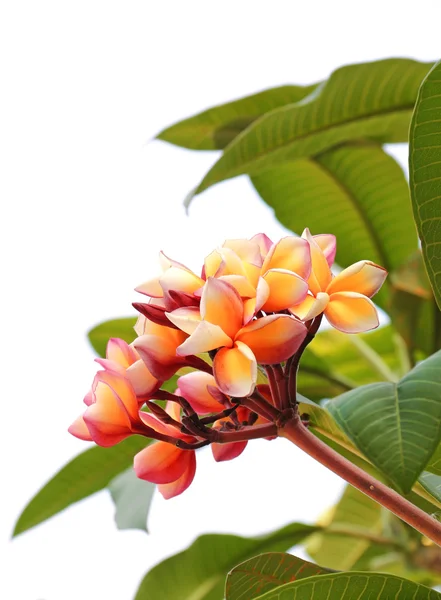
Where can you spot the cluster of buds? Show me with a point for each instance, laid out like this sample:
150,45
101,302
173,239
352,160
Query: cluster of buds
234,334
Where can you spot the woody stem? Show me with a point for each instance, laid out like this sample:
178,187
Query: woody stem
292,429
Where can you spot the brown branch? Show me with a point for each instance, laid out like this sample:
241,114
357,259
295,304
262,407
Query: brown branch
293,430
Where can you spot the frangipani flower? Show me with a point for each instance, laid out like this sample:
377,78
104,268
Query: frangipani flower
344,299
112,413
218,326
124,359
172,468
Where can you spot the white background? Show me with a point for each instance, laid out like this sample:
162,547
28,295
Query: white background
88,200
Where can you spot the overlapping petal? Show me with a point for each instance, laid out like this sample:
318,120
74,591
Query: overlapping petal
320,272
161,462
80,430
285,289
328,245
159,352
290,253
274,338
221,305
311,306
235,370
223,452
170,490
195,388
206,337
351,312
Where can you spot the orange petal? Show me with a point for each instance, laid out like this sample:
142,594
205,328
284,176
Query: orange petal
120,352
141,379
351,312
363,277
186,318
194,387
273,339
106,419
79,429
328,245
169,490
123,389
320,274
290,253
221,305
161,462
222,452
310,307
241,284
206,337
235,370
285,289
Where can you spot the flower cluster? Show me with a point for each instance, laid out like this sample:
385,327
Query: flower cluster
234,334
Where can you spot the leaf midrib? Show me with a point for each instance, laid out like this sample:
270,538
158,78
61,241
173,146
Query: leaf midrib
258,155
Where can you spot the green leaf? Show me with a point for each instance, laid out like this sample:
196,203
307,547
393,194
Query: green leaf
265,572
354,513
216,127
396,426
132,497
118,328
335,191
199,572
413,308
432,484
365,101
86,474
424,171
352,586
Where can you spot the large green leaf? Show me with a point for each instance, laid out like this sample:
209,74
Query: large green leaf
352,586
132,497
335,192
87,473
119,328
365,101
355,512
216,127
199,572
413,308
432,484
265,572
425,173
396,426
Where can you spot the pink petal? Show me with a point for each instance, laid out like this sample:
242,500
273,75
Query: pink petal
195,388
328,245
141,379
351,312
222,452
247,250
274,338
186,318
79,429
263,242
120,352
170,490
235,370
161,463
159,354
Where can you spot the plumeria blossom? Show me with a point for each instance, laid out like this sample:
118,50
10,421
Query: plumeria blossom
172,468
218,325
233,337
344,299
